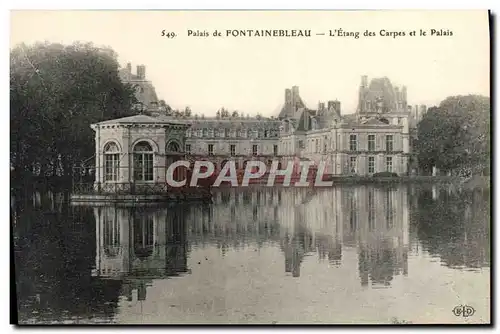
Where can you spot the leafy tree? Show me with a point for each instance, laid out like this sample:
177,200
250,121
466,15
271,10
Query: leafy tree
224,112
456,135
56,92
165,107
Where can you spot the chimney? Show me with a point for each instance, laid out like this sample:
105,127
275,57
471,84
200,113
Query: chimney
336,105
288,96
364,81
129,67
321,106
295,95
141,72
403,94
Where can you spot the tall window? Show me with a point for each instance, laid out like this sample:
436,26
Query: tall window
205,132
210,149
188,149
275,149
389,143
111,162
352,165
353,143
143,162
232,148
371,165
226,132
255,150
388,164
371,142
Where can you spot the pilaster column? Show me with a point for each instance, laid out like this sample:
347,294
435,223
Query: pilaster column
126,172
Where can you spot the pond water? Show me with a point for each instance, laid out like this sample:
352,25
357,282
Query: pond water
343,255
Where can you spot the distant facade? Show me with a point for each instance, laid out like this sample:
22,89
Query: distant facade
233,138
376,138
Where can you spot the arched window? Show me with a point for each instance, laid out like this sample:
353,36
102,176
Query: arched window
173,147
143,162
111,162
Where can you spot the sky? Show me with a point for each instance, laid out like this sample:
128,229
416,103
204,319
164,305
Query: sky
250,74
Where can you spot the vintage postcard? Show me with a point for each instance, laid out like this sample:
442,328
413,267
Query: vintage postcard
250,167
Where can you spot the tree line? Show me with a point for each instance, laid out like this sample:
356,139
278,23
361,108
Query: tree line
455,136
56,92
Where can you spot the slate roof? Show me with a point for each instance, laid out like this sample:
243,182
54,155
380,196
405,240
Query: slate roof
142,119
197,123
352,120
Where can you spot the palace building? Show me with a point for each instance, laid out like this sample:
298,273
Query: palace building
376,138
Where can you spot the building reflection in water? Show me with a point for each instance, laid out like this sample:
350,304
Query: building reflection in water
138,244
323,221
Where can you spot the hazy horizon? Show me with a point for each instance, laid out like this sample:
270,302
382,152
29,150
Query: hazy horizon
250,74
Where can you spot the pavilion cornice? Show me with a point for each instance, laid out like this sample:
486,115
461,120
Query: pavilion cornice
174,126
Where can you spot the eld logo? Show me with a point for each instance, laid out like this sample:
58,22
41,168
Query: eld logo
464,311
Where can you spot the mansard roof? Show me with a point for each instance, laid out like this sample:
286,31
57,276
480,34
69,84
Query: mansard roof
352,120
131,119
301,126
235,123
